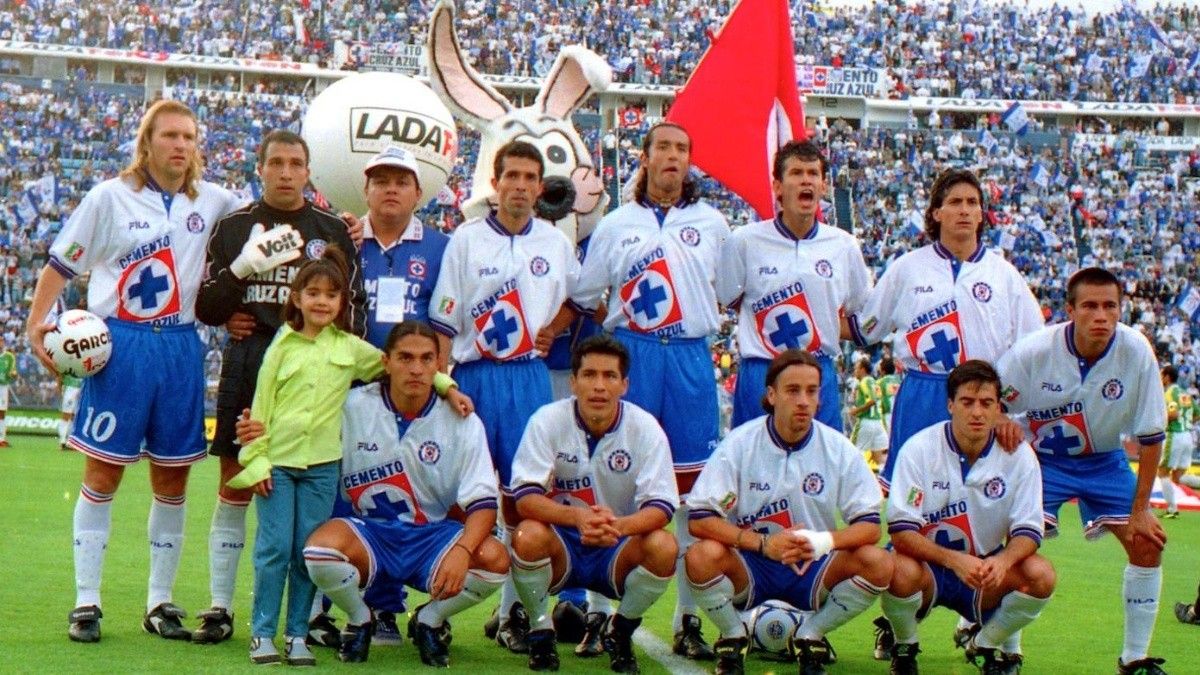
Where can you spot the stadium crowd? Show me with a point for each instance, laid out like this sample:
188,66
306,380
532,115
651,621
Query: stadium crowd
927,48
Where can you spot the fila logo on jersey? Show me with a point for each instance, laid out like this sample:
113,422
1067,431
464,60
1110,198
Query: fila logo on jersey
785,320
1060,431
384,492
774,517
951,532
574,491
648,297
1112,390
139,225
503,333
148,288
935,339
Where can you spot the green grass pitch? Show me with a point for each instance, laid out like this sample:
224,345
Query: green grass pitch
1080,631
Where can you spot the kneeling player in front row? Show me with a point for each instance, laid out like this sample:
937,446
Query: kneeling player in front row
965,519
765,512
408,459
594,488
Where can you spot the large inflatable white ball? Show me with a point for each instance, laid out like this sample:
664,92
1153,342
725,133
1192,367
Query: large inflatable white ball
361,115
80,344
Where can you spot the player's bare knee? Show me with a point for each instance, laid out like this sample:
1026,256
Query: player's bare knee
704,560
874,564
1039,577
169,481
659,552
531,540
907,576
102,476
491,557
1143,553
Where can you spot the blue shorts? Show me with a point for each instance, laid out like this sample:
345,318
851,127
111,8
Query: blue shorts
1102,482
506,394
751,386
380,597
673,381
921,402
149,399
950,592
402,554
770,580
590,567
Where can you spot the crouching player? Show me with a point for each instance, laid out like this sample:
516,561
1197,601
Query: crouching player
765,512
965,519
594,487
408,459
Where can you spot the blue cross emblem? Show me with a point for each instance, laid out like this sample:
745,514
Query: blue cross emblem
503,326
943,352
788,334
383,505
148,287
647,299
1059,443
942,538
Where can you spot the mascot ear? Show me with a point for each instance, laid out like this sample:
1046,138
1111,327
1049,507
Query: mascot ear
577,74
459,86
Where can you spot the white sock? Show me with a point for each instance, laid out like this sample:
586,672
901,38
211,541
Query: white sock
1140,590
715,597
338,578
508,590
1168,490
318,606
64,428
846,600
902,613
3,428
598,603
92,524
642,589
165,529
1013,644
226,539
964,623
1016,611
532,580
684,602
478,586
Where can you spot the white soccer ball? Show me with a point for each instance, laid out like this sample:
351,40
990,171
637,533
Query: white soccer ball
359,116
80,344
770,625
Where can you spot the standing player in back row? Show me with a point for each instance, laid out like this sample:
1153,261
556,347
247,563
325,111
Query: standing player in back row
790,279
1177,448
656,257
946,302
1082,386
143,236
8,375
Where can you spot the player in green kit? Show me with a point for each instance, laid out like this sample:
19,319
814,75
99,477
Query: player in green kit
70,386
868,434
8,375
889,383
1177,449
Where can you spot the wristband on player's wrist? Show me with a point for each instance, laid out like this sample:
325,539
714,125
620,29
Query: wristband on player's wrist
737,543
762,546
442,383
459,544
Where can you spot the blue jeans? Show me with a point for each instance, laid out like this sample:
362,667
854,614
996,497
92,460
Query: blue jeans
300,501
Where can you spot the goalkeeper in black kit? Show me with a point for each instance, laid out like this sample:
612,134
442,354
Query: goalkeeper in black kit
253,256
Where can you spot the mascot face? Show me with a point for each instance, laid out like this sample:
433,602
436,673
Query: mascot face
574,197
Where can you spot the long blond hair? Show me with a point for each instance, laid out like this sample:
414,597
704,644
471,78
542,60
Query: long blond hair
138,168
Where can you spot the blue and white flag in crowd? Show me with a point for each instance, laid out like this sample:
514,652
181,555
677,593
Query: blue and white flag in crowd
1139,65
1093,63
47,189
1193,62
1016,118
1007,240
27,210
1189,303
987,141
1040,175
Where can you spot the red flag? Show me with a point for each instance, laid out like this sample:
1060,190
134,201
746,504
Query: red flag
741,103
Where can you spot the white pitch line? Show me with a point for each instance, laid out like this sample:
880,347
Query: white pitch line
660,651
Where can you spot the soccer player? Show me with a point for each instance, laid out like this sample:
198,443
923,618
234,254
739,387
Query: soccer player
765,513
656,257
252,257
8,375
889,384
867,411
408,460
70,386
1080,387
946,302
1189,613
1177,449
143,236
965,518
790,279
594,488
504,278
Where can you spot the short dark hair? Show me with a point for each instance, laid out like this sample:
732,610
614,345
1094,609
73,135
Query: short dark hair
937,195
805,151
333,266
865,363
1092,276
410,327
1172,373
974,371
691,193
601,343
521,149
785,360
281,136
887,365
